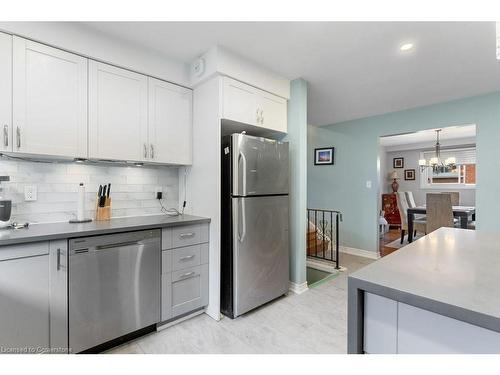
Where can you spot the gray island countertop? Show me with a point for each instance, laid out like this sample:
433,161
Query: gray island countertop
452,272
52,231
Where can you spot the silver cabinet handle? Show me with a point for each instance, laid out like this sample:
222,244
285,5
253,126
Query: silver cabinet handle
187,257
186,235
262,116
187,274
257,116
18,135
145,151
58,259
6,135
152,151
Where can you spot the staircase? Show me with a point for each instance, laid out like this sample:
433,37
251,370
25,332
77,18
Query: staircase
323,235
316,243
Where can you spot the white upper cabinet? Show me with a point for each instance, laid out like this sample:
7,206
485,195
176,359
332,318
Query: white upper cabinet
49,100
240,102
170,129
249,105
5,92
118,113
273,112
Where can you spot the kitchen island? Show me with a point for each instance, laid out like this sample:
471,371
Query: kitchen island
437,295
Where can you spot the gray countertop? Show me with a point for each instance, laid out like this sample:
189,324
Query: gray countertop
453,272
51,231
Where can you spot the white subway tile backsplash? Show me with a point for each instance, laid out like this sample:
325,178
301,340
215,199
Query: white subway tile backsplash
132,189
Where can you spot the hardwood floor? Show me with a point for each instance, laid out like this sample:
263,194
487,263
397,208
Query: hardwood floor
390,236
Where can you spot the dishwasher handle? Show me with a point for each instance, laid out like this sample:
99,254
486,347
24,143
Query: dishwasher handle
120,244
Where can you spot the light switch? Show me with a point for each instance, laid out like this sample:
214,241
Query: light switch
368,184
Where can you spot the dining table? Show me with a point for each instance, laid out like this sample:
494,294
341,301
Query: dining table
463,213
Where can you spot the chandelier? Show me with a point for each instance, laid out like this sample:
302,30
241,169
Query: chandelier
436,162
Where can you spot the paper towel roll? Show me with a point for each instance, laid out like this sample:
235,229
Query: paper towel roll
80,211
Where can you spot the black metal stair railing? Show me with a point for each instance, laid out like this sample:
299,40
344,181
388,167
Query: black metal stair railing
323,234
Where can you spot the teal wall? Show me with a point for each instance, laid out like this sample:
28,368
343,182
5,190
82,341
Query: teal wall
297,136
343,186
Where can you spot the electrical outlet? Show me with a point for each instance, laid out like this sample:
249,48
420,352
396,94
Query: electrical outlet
30,193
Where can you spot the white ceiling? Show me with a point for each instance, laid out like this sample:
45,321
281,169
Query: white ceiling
424,136
354,69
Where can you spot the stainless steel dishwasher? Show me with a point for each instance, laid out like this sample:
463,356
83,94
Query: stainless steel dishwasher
114,286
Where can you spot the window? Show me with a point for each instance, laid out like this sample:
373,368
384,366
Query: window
462,175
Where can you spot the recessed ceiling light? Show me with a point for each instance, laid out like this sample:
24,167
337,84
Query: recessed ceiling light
406,47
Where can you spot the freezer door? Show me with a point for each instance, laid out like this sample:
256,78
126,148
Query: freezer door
260,166
260,248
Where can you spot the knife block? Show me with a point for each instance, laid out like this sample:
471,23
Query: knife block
103,213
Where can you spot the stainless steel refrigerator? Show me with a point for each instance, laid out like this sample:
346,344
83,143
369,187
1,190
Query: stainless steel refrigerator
255,240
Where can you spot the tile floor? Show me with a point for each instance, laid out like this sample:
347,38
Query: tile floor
312,322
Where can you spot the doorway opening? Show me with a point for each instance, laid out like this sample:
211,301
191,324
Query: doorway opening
413,165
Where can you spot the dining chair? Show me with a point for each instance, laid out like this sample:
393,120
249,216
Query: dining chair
439,211
410,199
455,197
418,224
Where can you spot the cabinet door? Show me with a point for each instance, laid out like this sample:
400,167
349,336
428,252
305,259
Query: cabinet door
380,325
118,105
273,112
5,92
170,123
240,102
49,100
424,332
189,289
24,298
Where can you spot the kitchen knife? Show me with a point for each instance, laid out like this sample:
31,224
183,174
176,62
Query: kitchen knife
109,188
102,200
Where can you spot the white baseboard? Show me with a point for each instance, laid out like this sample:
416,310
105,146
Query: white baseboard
326,266
359,252
297,288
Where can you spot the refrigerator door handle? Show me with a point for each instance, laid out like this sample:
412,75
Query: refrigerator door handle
241,237
244,162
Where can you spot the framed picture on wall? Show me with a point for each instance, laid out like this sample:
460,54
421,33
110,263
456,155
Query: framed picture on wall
409,174
323,156
398,162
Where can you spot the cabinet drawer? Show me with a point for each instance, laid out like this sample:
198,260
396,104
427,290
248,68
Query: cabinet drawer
23,250
184,291
189,256
184,236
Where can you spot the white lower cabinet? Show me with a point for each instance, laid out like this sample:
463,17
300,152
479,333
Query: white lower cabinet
424,332
184,279
24,298
380,325
392,327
